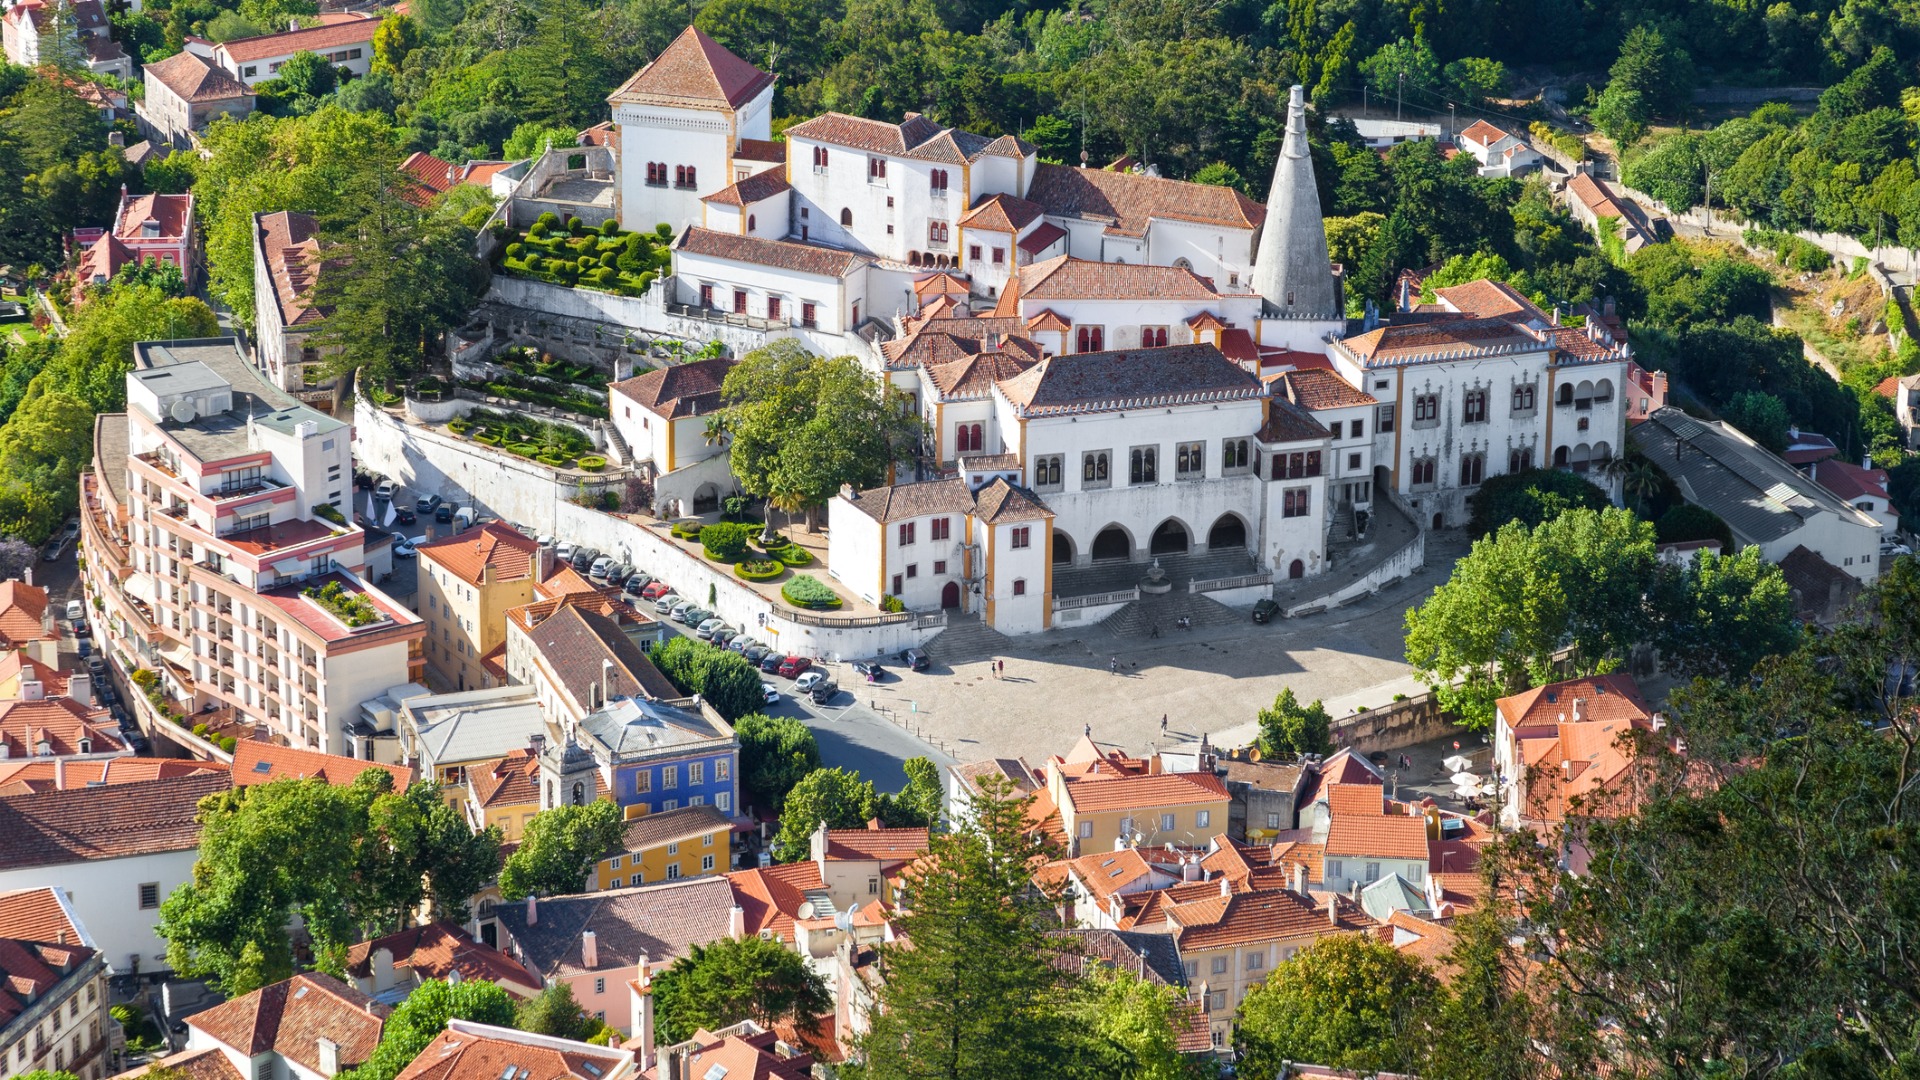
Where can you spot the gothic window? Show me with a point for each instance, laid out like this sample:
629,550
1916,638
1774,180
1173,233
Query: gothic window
1190,461
1426,408
1233,454
1523,398
1473,469
1143,465
1046,471
846,218
1520,460
1093,468
1474,407
1296,502
1424,470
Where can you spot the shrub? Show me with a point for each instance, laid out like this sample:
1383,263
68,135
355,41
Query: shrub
586,262
516,250
552,461
487,439
771,544
523,449
459,425
793,555
546,221
891,604
538,232
610,227
551,266
808,591
724,542
200,730
144,678
758,569
663,230
228,742
576,226
645,281
608,260
592,463
687,530
605,275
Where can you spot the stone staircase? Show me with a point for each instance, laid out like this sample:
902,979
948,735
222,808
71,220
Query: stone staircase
1136,621
617,451
967,638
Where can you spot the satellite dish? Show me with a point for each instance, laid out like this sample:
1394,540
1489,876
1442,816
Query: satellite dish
806,909
182,411
1253,755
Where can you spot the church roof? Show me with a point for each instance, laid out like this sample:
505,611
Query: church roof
1067,278
694,71
1001,213
914,137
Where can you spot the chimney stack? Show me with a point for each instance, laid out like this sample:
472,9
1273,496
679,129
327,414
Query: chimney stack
589,950
1300,878
533,910
737,923
1226,888
1333,909
80,688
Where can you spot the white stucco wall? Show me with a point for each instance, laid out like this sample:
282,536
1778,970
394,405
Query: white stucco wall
105,894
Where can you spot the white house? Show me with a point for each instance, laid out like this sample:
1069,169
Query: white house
1864,486
28,24
310,1027
1500,152
113,852
813,288
185,93
1385,134
346,45
1765,502
688,124
286,262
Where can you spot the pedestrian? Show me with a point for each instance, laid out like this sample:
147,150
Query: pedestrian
1113,665
993,669
1163,723
1003,669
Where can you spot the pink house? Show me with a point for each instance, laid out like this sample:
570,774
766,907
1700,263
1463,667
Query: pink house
158,227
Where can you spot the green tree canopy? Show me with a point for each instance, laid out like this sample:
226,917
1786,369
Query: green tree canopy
1721,615
775,753
803,425
835,796
1349,1001
1289,729
421,1018
554,1011
560,846
730,980
1531,498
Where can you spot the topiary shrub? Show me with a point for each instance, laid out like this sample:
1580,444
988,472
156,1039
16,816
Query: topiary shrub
609,260
724,542
552,461
605,275
459,425
547,220
663,230
610,227
516,250
891,604
759,569
586,262
539,231
228,742
592,463
200,730
576,226
551,266
687,530
807,591
645,281
793,555
770,544
523,449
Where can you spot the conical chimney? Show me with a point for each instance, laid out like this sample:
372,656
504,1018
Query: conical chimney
1293,273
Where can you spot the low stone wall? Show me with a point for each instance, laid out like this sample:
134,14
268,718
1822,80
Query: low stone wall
461,471
1403,563
698,580
1393,725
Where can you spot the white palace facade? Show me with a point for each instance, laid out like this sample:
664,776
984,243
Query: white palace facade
1114,367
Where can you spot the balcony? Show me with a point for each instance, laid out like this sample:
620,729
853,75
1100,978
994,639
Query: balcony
242,489
153,458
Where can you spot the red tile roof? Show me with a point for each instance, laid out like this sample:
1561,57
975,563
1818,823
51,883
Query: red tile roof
40,945
1001,213
771,898
1043,236
1128,202
1272,914
468,1051
1064,277
291,1017
915,136
1850,481
1436,338
318,39
678,390
1095,796
430,175
882,845
23,612
1321,388
494,546
37,915
733,1056
695,70
196,80
1356,832
43,774
209,1064
169,212
513,780
777,254
1287,422
757,188
1128,379
260,762
1486,134
60,723
289,241
760,150
437,951
975,376
57,827
1601,698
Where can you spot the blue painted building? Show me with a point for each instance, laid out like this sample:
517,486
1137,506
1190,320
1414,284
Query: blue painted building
646,754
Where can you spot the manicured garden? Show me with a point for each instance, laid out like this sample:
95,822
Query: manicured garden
538,392
608,258
754,555
349,607
554,445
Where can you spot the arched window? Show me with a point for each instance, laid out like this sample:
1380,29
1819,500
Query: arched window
846,218
938,181
1565,396
750,222
693,176
679,176
913,258
579,794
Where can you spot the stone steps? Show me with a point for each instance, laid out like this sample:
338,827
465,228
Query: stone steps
967,638
1137,620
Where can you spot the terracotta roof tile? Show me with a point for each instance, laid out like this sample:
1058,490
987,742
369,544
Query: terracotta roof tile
196,80
973,378
915,137
1267,915
652,830
694,70
170,213
760,150
500,547
208,1064
576,641
1287,422
56,827
513,780
469,1051
1437,339
1043,236
1486,134
881,845
260,762
58,722
756,188
1379,836
291,1017
290,243
23,614
1000,501
1001,213
44,774
438,950
1319,388
319,39
1064,277
430,175
678,390
1601,698
771,897
735,1056
898,502
1130,200
1096,796
778,254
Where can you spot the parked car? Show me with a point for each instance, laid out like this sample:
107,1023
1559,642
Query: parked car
823,691
407,549
666,602
383,491
565,551
656,590
426,504
793,667
97,664
81,629
583,559
696,615
72,531
76,610
544,541
757,654
678,612
723,635
619,572
915,659
1891,546
871,669
1265,610
740,643
636,584
598,570
443,513
139,742
770,663
85,647
769,693
403,516
704,630
805,683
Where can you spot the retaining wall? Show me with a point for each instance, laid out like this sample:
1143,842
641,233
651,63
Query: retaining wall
1403,563
1393,725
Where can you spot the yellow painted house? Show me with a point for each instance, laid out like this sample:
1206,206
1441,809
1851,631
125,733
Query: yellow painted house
467,583
1099,810
504,792
685,843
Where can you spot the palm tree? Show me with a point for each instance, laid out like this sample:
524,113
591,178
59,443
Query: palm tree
1639,478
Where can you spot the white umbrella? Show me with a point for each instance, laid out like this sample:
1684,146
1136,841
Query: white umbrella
1465,780
1458,763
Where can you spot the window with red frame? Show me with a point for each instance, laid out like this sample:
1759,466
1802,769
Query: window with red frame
941,528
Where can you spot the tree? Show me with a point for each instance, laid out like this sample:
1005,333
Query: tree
1402,65
802,426
562,74
395,280
1521,595
1655,69
982,990
835,796
731,980
164,277
1348,238
916,806
1761,416
723,678
1221,174
1288,729
1127,1026
1478,78
417,1021
1720,615
1348,1001
16,558
305,74
1477,266
345,860
1672,170
1531,498
775,754
560,847
530,140
1486,1021
1685,521
395,38
554,1012
173,174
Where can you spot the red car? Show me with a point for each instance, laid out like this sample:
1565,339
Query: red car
792,666
655,591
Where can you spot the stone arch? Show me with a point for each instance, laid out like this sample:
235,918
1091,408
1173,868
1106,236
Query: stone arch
1062,548
1229,531
1112,543
1561,457
1183,264
846,217
706,499
1602,453
1170,537
1581,457
913,258
1603,390
1296,569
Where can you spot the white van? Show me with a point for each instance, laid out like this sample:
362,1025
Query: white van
463,517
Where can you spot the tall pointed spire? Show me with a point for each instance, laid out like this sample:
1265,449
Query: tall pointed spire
1293,273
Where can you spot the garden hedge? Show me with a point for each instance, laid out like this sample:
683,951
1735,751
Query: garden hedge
725,541
592,463
759,569
807,591
793,555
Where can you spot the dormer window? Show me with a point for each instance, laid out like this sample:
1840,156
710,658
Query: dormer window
150,228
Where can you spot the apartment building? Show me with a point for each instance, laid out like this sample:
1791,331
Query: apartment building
53,989
230,569
689,842
467,583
